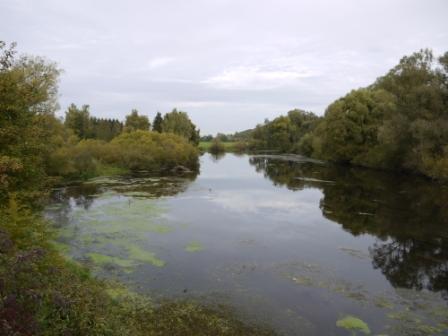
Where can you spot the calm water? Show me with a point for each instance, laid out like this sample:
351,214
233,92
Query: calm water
292,242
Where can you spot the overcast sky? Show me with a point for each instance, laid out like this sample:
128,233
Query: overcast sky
229,63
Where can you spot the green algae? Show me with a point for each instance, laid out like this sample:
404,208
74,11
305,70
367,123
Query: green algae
194,247
138,254
353,324
102,259
382,302
160,228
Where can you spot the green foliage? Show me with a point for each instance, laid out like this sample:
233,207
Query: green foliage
157,123
206,138
399,123
179,123
28,91
85,126
105,129
349,131
216,146
284,133
136,122
78,120
145,150
139,150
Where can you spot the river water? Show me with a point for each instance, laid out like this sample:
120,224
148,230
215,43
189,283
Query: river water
293,243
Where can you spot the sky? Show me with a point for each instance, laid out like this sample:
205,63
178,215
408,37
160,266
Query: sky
229,63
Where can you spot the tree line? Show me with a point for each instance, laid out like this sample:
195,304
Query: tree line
85,126
400,122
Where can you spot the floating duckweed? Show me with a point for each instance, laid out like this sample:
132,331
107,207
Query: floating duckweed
194,247
136,253
382,302
353,324
102,259
158,228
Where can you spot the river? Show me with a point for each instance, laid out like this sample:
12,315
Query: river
287,241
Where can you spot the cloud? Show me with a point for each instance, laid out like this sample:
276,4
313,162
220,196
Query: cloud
159,62
255,77
258,201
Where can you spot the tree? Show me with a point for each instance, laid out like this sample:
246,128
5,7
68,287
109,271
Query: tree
157,123
400,122
28,91
105,129
78,120
284,133
179,123
134,122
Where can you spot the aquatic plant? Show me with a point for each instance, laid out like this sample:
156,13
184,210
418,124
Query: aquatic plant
194,247
353,324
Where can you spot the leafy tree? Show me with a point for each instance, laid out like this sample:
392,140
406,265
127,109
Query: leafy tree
217,147
134,122
78,120
157,123
400,122
105,129
285,132
207,138
179,123
222,137
28,91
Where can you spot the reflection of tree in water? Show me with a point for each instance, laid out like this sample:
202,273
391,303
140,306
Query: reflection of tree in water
140,186
408,215
217,156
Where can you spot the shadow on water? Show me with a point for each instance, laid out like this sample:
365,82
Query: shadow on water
407,214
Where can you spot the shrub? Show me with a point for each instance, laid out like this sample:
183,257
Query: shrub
216,147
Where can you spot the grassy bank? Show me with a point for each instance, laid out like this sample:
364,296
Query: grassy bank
229,146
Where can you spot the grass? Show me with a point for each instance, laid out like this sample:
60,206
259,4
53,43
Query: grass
229,146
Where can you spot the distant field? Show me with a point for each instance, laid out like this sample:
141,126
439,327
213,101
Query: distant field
205,145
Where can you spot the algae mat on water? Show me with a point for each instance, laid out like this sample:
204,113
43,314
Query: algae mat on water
114,229
194,247
353,324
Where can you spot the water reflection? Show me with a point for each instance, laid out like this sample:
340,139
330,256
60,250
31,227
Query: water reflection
83,195
407,214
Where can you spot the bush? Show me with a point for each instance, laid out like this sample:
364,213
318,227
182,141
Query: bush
216,147
146,150
138,150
